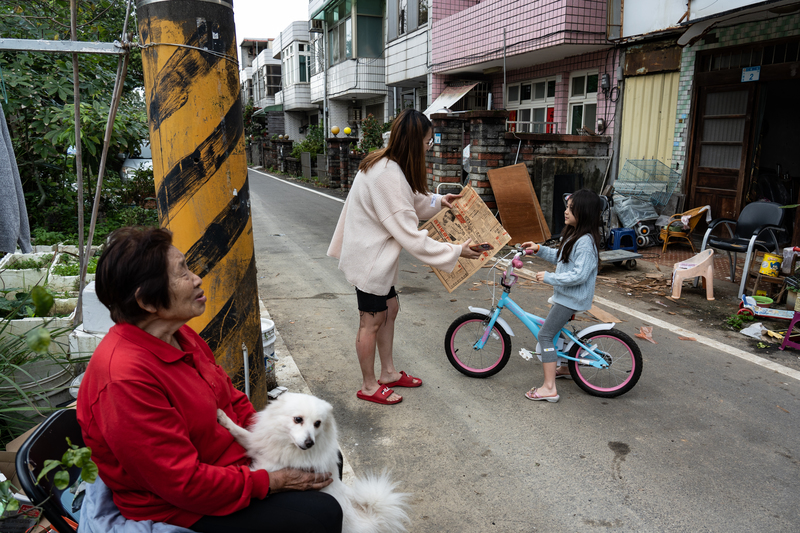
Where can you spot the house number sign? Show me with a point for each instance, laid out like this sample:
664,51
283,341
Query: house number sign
751,74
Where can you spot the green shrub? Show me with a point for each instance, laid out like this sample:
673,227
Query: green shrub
314,143
372,134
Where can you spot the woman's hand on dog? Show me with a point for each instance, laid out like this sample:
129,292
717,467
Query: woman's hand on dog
294,479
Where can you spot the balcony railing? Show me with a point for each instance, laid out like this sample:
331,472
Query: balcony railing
522,126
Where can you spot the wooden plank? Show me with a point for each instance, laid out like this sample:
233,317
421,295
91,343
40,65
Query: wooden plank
601,315
518,205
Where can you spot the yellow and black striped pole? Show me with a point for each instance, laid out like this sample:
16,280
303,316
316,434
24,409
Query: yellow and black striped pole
191,76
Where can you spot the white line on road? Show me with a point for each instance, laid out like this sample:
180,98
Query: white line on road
298,186
741,354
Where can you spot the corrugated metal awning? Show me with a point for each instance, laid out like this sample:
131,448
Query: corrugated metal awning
268,109
448,97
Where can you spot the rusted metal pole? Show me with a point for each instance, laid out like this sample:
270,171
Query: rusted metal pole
191,76
76,96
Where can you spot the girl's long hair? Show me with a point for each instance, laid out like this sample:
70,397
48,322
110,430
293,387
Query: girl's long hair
406,148
586,208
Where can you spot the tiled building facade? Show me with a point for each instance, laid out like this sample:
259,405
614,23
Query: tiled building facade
781,28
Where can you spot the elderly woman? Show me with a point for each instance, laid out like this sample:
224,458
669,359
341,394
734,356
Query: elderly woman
147,407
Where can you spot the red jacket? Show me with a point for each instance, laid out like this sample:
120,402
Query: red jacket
149,413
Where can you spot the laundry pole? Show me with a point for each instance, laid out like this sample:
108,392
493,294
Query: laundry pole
191,76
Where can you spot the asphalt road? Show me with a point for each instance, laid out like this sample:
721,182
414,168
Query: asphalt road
707,441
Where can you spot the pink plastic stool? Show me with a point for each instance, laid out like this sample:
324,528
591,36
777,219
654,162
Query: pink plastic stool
790,343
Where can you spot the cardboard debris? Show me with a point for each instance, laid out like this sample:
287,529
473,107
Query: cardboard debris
469,218
517,204
657,285
602,316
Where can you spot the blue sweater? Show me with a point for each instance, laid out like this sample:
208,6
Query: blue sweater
573,282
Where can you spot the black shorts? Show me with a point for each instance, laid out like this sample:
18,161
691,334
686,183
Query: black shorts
370,303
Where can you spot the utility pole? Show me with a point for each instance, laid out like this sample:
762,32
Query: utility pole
191,75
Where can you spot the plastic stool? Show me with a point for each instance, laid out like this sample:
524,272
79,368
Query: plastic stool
790,343
701,265
616,237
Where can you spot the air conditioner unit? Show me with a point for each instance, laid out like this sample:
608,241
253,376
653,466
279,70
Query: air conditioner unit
315,26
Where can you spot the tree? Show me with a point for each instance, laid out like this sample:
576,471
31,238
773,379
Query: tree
40,105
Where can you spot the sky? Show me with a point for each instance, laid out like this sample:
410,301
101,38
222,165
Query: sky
266,18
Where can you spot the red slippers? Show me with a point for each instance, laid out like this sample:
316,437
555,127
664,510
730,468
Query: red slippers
381,396
404,381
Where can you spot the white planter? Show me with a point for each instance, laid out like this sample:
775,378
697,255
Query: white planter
22,279
20,326
49,387
61,284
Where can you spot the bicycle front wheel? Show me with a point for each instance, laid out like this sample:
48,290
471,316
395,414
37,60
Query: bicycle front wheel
624,364
459,345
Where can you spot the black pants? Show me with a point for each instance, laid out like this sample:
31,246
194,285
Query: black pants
285,512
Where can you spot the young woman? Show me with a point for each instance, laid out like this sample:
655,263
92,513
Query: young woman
573,281
381,217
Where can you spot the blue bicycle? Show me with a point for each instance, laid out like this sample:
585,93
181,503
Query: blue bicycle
602,360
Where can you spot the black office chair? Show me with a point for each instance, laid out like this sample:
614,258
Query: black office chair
49,441
756,229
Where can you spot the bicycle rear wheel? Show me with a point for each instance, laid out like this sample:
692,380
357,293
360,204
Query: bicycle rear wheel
624,364
459,345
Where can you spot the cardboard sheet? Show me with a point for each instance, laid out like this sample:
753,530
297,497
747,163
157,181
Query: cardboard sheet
468,219
518,205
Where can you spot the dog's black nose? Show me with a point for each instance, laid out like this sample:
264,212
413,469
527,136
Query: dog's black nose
309,443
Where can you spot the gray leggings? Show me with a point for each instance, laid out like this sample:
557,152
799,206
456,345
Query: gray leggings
556,318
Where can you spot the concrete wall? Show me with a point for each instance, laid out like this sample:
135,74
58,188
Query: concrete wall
407,57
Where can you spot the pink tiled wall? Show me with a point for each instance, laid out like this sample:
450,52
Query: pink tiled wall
474,34
444,8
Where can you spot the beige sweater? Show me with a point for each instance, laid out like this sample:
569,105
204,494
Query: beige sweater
380,217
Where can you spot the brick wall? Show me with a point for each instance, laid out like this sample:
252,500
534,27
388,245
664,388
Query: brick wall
548,157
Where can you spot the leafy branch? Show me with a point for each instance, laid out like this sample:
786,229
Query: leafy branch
74,456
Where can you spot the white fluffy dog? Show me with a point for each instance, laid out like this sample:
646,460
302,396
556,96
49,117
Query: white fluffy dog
299,431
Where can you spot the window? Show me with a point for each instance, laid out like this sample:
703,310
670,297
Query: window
273,77
303,57
287,59
369,27
340,34
402,17
533,105
582,102
316,63
423,12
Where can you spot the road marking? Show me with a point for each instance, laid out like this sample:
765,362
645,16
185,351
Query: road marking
298,186
741,354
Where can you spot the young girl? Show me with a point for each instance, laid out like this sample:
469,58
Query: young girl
573,281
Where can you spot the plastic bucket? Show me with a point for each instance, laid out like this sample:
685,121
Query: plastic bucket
771,265
762,301
268,342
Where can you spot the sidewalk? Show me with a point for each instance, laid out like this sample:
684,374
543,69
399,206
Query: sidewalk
289,376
